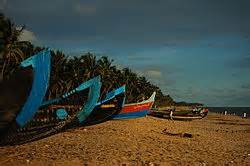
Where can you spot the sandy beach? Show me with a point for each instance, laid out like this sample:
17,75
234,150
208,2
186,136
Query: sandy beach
214,140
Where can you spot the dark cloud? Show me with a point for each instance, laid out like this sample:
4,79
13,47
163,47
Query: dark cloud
240,62
129,22
217,96
133,28
245,62
228,44
136,57
245,86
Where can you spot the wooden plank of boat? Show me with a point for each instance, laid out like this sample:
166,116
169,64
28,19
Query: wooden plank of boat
103,106
164,114
186,117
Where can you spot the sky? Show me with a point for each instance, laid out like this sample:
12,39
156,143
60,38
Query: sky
194,50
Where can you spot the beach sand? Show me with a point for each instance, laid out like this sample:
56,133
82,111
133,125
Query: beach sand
214,140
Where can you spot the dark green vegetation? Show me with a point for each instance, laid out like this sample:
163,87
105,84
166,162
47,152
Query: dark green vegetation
69,71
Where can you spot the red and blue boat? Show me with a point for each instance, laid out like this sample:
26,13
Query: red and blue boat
136,110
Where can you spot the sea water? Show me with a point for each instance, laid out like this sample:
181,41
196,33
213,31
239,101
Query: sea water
239,111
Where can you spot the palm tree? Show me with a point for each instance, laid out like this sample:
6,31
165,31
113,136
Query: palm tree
106,70
56,80
11,53
89,63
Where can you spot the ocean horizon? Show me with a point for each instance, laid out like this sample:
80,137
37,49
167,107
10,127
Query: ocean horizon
231,110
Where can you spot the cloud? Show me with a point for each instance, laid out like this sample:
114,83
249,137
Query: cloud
85,9
242,62
138,57
27,35
245,86
130,22
3,4
154,73
245,63
237,96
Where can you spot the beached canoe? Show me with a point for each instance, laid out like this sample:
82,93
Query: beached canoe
136,110
22,94
13,96
174,117
54,115
105,109
191,114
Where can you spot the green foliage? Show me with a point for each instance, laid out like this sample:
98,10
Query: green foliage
10,48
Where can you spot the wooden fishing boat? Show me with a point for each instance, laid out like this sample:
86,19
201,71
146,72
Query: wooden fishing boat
136,110
186,115
20,102
186,118
173,117
56,115
13,97
23,92
105,109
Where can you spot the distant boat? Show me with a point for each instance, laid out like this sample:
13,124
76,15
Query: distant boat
190,114
186,118
136,110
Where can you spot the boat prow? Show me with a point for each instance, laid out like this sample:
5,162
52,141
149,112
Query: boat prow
105,109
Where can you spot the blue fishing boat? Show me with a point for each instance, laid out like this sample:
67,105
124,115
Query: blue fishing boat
55,115
18,101
37,120
107,108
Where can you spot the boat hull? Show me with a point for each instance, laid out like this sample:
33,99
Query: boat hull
136,110
180,115
107,108
131,115
55,115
